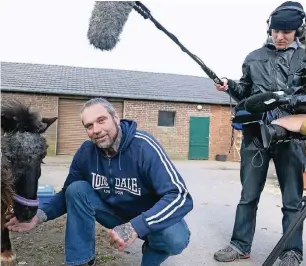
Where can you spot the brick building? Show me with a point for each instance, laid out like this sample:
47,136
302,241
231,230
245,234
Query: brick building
185,113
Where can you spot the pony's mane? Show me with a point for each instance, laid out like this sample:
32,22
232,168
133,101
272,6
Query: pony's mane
16,116
7,182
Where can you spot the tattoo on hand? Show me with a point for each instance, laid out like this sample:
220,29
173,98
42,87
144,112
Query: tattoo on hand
125,231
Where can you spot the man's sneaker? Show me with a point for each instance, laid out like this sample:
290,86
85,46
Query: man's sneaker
228,254
290,258
90,263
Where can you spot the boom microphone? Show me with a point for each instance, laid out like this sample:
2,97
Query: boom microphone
263,102
107,22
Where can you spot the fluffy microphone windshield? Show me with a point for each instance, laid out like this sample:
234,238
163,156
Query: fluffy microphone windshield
262,102
106,23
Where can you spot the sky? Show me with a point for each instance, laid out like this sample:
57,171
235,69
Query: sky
220,32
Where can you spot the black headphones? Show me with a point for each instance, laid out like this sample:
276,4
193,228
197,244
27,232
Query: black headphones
300,30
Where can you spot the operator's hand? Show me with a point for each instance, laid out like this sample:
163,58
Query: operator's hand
122,236
14,225
220,87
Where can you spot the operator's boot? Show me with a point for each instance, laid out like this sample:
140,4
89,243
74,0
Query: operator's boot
228,254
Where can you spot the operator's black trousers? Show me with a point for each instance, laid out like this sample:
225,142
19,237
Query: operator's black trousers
289,162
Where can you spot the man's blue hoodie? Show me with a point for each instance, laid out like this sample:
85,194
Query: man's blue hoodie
140,182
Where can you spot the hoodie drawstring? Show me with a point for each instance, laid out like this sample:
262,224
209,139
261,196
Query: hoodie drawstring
120,160
97,160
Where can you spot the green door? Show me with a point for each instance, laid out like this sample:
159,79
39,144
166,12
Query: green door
199,138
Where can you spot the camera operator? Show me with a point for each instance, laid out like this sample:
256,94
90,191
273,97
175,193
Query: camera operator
268,69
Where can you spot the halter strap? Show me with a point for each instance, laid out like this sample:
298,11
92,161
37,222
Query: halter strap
26,202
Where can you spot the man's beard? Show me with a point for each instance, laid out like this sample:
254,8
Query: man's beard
105,145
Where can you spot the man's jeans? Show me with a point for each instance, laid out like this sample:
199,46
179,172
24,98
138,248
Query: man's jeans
289,163
84,207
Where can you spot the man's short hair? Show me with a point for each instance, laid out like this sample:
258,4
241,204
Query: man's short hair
108,106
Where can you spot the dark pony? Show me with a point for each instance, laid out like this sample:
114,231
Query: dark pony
23,149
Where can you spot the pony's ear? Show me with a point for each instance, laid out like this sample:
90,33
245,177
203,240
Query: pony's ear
8,123
3,124
46,123
3,120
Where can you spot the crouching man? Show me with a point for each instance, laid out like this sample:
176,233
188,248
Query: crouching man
123,179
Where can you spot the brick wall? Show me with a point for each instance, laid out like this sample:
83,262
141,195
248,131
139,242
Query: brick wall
221,133
45,104
175,139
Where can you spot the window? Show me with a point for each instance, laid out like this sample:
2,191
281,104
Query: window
166,118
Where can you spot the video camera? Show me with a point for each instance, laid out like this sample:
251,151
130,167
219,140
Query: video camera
256,109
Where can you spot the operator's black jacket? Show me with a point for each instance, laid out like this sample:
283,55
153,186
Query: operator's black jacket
266,69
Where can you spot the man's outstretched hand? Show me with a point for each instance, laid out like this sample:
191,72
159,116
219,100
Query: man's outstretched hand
122,236
14,225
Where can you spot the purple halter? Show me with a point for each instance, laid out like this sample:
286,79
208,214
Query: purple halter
24,201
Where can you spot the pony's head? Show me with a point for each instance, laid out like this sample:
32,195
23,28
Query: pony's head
25,148
17,117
